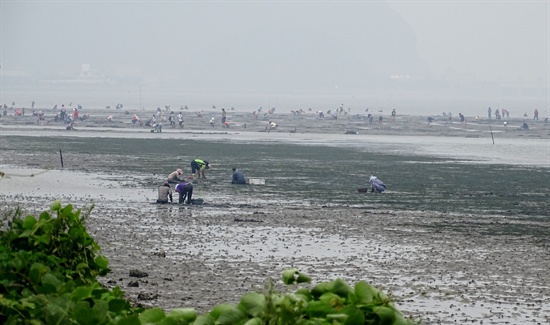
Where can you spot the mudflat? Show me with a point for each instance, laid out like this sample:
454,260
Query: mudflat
456,238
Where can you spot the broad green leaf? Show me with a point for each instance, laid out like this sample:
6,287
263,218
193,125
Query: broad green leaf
26,233
289,276
188,314
230,317
29,222
81,293
56,205
355,315
76,234
83,313
81,266
341,318
319,309
152,315
253,304
204,320
55,314
305,292
51,279
102,261
43,239
218,310
302,278
332,299
386,314
101,308
118,305
254,321
44,217
364,292
130,320
341,288
321,288
36,271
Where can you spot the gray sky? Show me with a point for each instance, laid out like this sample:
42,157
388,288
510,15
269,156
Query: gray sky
492,40
280,46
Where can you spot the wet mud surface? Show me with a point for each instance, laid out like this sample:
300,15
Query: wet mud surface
451,241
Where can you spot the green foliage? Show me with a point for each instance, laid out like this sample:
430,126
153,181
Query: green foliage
49,265
48,268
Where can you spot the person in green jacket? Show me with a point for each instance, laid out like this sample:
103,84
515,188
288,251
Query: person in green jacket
199,166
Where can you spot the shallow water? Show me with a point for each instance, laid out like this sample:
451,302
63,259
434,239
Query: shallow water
510,151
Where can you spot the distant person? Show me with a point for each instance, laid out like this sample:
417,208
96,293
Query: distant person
536,114
462,118
164,193
370,117
380,119
238,177
185,190
176,176
180,120
157,127
224,116
212,120
393,114
489,111
376,184
271,126
172,120
506,113
430,120
199,166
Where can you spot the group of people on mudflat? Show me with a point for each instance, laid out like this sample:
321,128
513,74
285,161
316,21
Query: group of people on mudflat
184,186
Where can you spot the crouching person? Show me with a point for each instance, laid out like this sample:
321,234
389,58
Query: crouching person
238,177
185,190
376,184
165,193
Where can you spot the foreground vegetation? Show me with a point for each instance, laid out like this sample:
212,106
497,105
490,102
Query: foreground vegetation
48,275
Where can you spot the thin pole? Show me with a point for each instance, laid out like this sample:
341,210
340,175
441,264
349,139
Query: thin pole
490,127
61,156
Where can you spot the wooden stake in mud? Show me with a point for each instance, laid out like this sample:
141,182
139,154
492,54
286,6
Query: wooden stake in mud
61,156
490,127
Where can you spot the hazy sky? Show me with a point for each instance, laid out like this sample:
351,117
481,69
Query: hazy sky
309,46
494,40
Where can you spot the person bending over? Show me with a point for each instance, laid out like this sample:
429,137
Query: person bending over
185,190
199,166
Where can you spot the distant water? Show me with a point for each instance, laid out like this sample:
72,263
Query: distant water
521,152
404,103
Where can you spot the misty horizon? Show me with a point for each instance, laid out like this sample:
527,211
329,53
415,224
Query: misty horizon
405,54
